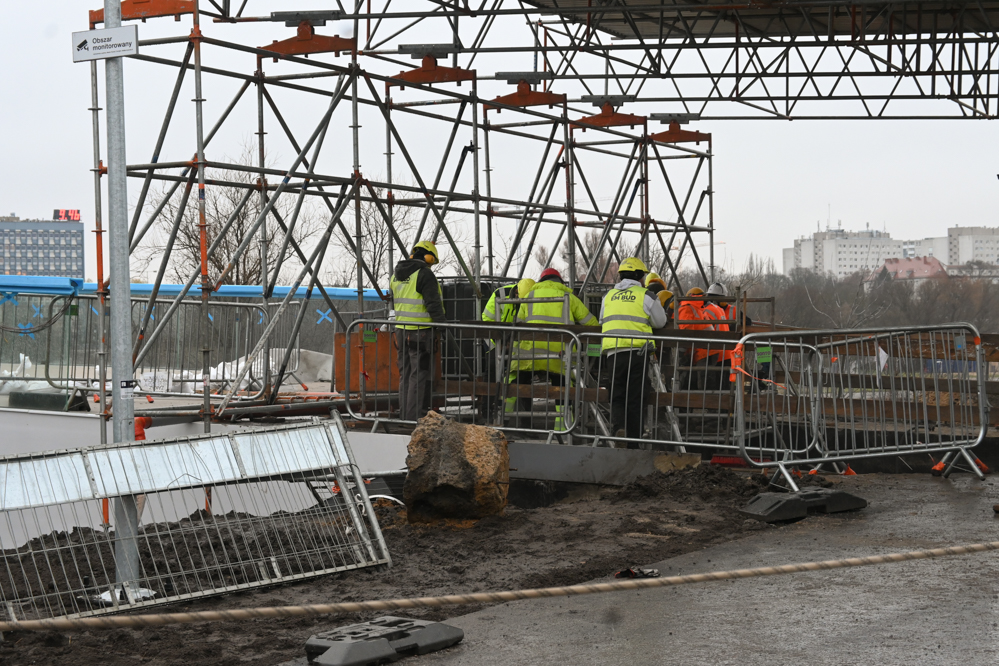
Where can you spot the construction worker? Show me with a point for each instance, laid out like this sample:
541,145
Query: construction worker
718,313
508,312
630,309
505,313
541,358
690,317
417,301
718,310
656,285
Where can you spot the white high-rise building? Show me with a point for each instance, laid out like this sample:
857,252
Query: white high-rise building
842,252
845,252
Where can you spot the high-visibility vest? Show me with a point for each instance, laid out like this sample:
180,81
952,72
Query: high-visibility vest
509,310
409,305
552,312
686,314
624,312
716,312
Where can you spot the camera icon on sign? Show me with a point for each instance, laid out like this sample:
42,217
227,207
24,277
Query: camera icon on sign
83,46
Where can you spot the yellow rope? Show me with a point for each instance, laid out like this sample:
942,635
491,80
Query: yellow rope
243,614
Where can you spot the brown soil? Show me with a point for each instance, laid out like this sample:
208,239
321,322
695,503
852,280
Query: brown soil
577,540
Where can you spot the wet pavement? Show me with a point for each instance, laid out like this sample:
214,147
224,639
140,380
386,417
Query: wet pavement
940,611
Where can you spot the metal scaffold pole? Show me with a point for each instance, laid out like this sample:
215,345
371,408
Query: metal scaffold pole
206,286
102,352
126,519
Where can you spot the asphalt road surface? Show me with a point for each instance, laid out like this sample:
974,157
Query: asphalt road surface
941,611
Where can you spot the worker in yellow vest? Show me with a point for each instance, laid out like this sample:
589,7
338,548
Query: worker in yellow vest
497,357
417,301
508,312
629,309
542,358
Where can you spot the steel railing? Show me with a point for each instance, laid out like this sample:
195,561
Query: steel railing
66,354
817,398
798,398
488,375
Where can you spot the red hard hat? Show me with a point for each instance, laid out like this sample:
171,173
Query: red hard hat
550,272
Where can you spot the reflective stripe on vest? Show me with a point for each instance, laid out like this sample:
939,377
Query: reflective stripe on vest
409,305
624,313
508,309
552,312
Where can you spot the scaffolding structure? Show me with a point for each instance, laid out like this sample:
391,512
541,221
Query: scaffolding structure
522,125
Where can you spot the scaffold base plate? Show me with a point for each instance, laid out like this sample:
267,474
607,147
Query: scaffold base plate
379,641
775,507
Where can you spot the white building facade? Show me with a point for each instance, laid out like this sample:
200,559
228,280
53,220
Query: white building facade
842,252
845,252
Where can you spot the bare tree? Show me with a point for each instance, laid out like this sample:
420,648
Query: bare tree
222,203
378,244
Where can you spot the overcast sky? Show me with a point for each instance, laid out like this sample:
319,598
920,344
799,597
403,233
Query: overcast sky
774,180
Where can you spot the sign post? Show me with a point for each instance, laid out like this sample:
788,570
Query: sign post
111,44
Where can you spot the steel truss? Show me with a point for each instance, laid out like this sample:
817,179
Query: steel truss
591,165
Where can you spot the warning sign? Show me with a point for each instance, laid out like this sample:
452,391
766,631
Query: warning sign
105,43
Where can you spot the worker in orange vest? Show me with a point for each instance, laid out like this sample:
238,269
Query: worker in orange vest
718,312
690,316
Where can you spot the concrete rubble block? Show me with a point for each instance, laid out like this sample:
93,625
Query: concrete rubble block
456,471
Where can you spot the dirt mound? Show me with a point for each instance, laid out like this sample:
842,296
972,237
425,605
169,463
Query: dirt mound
705,482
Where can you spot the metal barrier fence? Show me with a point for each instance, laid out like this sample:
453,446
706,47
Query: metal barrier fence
512,378
661,390
799,398
551,382
66,354
836,396
209,514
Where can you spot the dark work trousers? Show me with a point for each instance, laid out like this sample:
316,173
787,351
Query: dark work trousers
629,382
416,358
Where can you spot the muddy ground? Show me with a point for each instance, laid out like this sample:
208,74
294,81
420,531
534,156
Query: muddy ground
587,536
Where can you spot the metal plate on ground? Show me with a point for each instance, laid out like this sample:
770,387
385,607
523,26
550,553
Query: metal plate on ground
379,641
775,507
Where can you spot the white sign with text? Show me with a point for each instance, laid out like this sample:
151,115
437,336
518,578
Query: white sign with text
105,43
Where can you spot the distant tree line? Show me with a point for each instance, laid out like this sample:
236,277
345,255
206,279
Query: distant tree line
815,300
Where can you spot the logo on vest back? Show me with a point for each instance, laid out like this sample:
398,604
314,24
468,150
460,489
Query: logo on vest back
624,296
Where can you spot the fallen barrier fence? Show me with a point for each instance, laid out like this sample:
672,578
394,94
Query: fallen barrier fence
797,398
187,518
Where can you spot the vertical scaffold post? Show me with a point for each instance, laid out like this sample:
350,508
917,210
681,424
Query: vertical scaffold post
206,286
126,519
265,376
102,352
570,194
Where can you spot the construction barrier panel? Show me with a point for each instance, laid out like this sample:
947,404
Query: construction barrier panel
110,528
814,398
518,378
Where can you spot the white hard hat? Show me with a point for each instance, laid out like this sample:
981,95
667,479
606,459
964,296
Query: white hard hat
717,289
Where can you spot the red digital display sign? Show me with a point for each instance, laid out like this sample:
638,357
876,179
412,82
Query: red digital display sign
66,215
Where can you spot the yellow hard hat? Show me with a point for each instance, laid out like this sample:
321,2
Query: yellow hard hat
652,276
632,264
525,286
666,298
430,248
695,291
